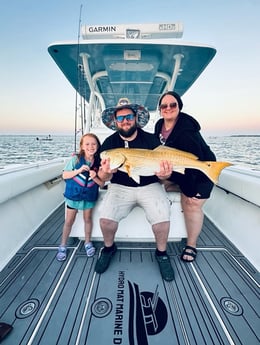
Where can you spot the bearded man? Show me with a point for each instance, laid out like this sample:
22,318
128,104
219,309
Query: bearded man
124,193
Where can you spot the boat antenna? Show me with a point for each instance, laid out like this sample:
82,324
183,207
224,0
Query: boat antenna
76,96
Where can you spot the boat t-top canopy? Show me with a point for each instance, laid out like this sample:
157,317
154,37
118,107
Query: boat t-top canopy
139,62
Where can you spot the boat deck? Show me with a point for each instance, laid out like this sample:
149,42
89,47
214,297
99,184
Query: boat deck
213,301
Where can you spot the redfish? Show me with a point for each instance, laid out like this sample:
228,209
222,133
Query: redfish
143,162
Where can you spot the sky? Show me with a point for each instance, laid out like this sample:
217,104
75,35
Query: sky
36,98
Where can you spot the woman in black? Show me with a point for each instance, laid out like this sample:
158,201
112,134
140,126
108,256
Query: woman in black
181,131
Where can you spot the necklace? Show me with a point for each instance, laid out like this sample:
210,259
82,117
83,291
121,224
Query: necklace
165,134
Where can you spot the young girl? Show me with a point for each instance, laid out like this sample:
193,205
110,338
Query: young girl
87,162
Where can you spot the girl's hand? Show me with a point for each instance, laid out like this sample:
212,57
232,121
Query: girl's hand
83,168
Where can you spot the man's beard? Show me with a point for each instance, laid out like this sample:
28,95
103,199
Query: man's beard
128,133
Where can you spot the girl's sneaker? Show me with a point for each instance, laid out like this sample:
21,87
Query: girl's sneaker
90,250
62,253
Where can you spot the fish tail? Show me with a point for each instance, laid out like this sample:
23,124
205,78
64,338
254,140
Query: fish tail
214,169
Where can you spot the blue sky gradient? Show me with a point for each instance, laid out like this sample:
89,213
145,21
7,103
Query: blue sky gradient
36,98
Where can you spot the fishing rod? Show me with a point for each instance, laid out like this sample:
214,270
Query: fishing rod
76,131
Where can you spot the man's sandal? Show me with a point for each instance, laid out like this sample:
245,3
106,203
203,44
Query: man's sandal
192,252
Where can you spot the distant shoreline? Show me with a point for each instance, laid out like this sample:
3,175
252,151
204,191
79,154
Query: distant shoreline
72,135
244,135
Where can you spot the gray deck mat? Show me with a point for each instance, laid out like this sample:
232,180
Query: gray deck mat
213,301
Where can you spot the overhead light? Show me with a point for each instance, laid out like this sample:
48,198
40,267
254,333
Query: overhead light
131,66
132,54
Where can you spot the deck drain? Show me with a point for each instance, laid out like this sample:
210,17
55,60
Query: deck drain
231,306
27,308
101,307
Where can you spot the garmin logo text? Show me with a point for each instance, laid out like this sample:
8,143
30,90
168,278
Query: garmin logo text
102,29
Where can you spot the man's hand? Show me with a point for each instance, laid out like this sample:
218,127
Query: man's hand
165,170
105,165
105,173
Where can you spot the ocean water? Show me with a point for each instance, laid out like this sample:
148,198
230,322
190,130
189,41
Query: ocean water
22,149
239,150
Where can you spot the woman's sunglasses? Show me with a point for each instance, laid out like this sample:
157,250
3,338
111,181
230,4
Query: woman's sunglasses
171,105
121,118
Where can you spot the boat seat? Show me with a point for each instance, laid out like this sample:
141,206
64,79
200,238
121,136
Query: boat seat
127,229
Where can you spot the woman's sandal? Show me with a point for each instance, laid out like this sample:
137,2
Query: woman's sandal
62,253
192,253
90,250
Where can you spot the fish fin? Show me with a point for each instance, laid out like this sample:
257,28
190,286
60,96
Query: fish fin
133,173
164,149
179,170
127,168
214,169
135,177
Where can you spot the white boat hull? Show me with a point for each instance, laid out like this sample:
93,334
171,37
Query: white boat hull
29,194
234,209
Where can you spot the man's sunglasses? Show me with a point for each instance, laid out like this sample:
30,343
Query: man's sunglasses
128,117
171,105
